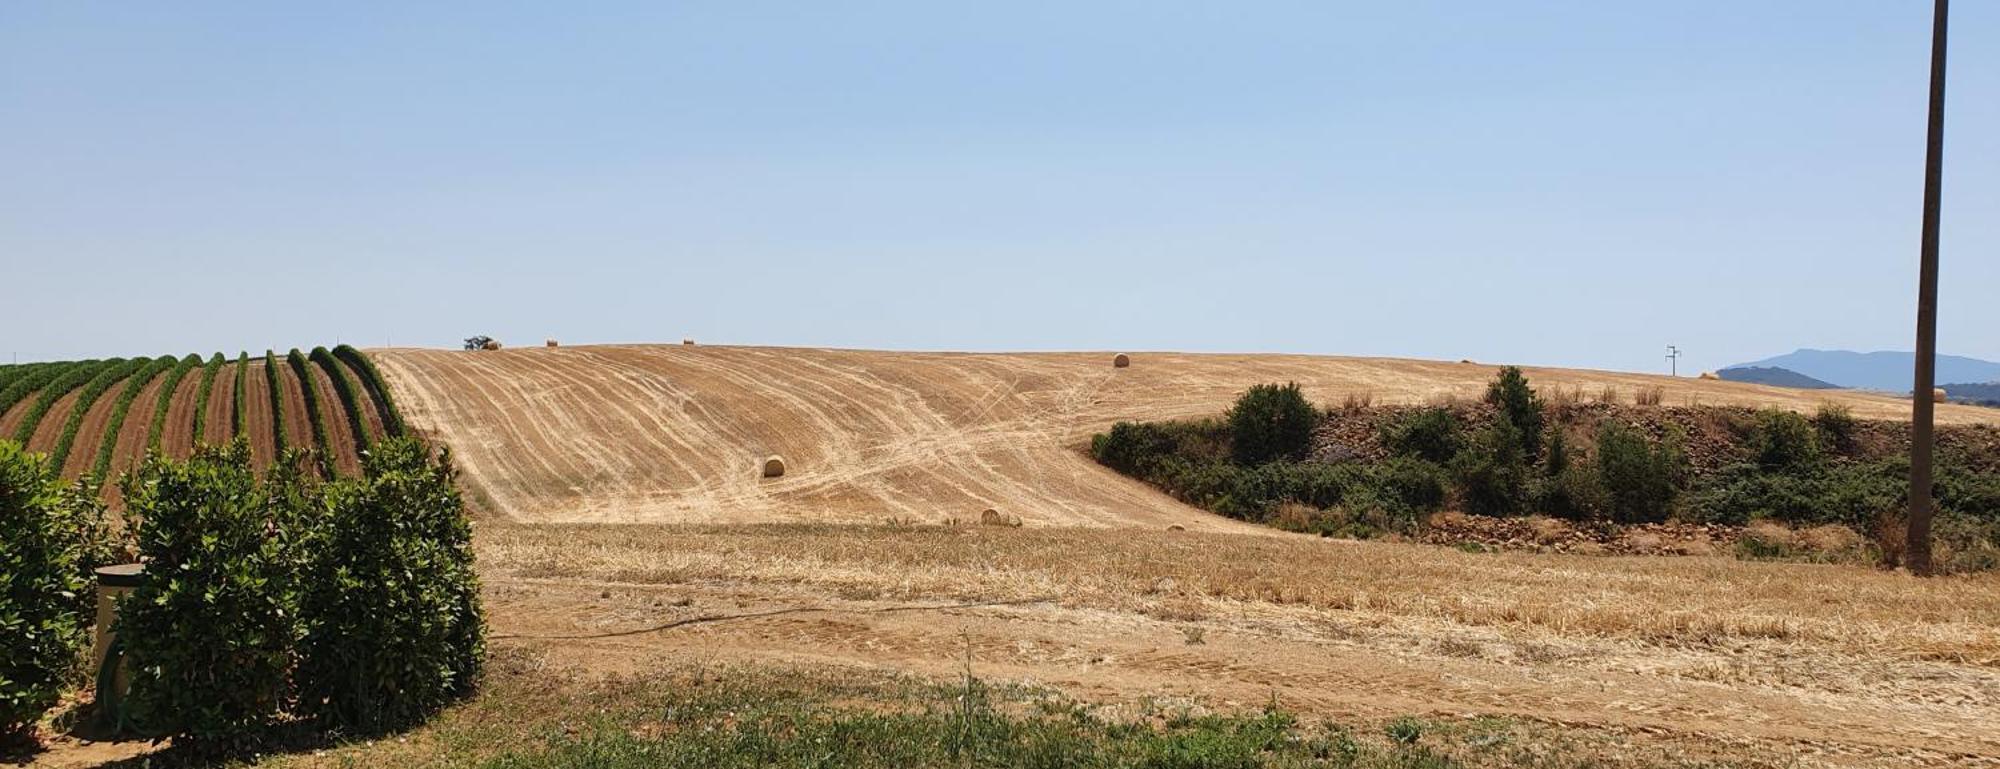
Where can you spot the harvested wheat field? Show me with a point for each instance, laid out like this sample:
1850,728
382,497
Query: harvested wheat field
673,434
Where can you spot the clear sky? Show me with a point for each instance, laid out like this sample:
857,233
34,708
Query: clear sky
1572,183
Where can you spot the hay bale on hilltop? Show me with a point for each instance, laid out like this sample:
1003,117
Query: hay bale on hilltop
491,344
551,343
687,342
1938,395
992,517
1121,360
773,467
1710,375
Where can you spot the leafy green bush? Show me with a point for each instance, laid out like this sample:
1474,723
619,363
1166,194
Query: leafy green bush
27,379
390,603
68,378
1852,494
236,416
1783,440
51,536
209,637
275,384
1519,406
1836,425
1641,477
1132,448
1271,422
315,413
1429,434
1411,485
1492,471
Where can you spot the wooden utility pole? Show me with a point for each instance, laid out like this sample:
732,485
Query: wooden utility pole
1923,405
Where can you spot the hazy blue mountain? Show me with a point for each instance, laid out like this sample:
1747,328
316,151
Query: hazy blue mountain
1889,370
1988,393
1772,375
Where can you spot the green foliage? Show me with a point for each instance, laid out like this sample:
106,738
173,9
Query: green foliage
276,385
108,444
1641,478
1492,471
1271,422
209,636
315,415
1855,494
1138,448
157,431
51,536
390,605
202,391
1429,433
1783,440
378,388
1519,407
1836,425
28,379
1411,485
67,377
344,389
105,378
236,408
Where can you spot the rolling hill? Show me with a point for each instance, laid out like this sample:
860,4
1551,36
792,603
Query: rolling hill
1886,371
1774,376
674,434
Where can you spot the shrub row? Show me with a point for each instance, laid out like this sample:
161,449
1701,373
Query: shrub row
202,391
156,432
344,389
378,388
29,379
51,536
352,603
67,377
237,404
108,443
315,417
277,391
105,378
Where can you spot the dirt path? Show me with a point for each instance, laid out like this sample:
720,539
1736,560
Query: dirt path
1145,621
672,434
257,413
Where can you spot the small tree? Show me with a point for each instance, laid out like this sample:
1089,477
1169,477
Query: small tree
1492,471
209,636
1784,441
50,539
1519,406
1271,422
1641,478
390,601
1430,434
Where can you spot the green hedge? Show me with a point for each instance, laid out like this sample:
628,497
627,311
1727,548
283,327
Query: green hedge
51,536
314,416
108,445
104,379
28,381
68,377
343,387
157,430
237,405
202,392
277,388
378,388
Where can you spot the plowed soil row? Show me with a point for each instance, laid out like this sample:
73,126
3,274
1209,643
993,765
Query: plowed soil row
49,430
298,421
257,417
220,409
137,431
674,434
371,411
181,412
11,420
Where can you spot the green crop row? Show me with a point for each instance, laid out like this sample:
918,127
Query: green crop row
236,406
28,378
277,389
123,406
68,377
297,361
343,387
105,378
378,388
201,393
156,431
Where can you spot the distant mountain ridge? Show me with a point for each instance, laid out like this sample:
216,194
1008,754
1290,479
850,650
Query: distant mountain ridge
1772,375
1888,371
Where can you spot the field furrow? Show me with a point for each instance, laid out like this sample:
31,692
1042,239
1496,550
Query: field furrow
339,433
257,416
49,429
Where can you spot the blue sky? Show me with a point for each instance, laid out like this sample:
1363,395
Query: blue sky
1573,183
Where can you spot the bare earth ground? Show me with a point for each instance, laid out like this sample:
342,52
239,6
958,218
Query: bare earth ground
672,434
1837,666
49,430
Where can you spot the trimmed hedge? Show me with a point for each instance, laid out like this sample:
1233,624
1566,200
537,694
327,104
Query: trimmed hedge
343,387
51,536
104,379
236,408
32,378
156,432
202,392
378,388
314,416
108,444
277,388
68,377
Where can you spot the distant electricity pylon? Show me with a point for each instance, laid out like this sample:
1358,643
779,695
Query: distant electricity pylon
1673,361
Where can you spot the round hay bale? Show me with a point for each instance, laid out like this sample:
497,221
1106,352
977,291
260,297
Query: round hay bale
773,467
687,342
1468,361
1176,527
1121,360
551,343
1710,375
491,344
1938,395
991,517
